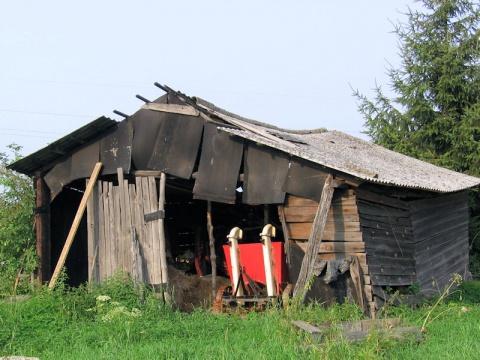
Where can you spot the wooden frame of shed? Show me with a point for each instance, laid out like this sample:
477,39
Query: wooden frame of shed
401,221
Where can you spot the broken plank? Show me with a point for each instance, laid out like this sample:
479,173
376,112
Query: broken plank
315,239
172,108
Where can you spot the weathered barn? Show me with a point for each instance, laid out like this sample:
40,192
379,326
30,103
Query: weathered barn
180,173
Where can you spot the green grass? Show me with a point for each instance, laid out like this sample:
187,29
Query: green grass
76,324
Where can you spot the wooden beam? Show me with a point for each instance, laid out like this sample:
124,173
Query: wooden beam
43,231
75,224
306,270
213,255
172,108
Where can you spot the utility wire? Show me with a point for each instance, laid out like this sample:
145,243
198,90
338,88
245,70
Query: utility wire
45,113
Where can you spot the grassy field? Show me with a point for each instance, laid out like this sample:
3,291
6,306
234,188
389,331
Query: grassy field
113,322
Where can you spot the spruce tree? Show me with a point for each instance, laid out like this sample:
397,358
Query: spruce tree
436,113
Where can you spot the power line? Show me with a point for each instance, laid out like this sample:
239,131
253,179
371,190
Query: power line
33,131
45,113
26,135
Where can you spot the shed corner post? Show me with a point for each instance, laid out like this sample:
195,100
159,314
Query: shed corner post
43,228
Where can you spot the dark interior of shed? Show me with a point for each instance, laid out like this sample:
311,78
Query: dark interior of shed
185,225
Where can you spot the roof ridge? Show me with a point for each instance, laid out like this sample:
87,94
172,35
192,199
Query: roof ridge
217,109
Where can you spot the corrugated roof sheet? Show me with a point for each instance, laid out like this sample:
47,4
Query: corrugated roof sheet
350,155
50,154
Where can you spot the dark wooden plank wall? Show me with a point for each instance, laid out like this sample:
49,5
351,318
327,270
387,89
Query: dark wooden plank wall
440,228
342,237
111,215
388,236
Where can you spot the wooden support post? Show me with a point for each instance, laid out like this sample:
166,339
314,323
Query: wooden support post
266,215
233,237
75,224
163,247
42,227
213,255
315,239
286,233
267,233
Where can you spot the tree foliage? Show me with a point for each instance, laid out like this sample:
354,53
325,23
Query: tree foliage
17,199
436,113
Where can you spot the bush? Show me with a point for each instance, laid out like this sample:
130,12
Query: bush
467,291
17,241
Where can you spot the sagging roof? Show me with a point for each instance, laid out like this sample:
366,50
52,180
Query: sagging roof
343,153
29,165
348,154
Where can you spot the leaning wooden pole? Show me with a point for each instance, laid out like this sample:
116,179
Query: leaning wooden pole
75,224
315,239
213,255
163,247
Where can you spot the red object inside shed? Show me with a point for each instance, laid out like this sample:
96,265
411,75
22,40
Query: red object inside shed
251,262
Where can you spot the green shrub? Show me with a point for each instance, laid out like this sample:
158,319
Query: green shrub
17,241
467,291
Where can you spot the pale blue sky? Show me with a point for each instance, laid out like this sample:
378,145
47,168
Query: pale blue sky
291,64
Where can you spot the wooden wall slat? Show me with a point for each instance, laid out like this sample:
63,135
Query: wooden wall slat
392,280
117,219
156,268
137,212
101,233
381,199
369,208
148,251
301,231
112,231
106,222
127,259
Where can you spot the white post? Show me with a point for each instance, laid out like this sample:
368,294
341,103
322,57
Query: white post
235,234
267,233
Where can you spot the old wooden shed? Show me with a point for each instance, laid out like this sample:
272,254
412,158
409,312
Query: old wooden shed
403,221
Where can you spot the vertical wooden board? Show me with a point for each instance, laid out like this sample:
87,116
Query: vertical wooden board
124,248
140,227
106,222
118,229
101,233
137,218
148,229
92,234
156,269
112,232
127,238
